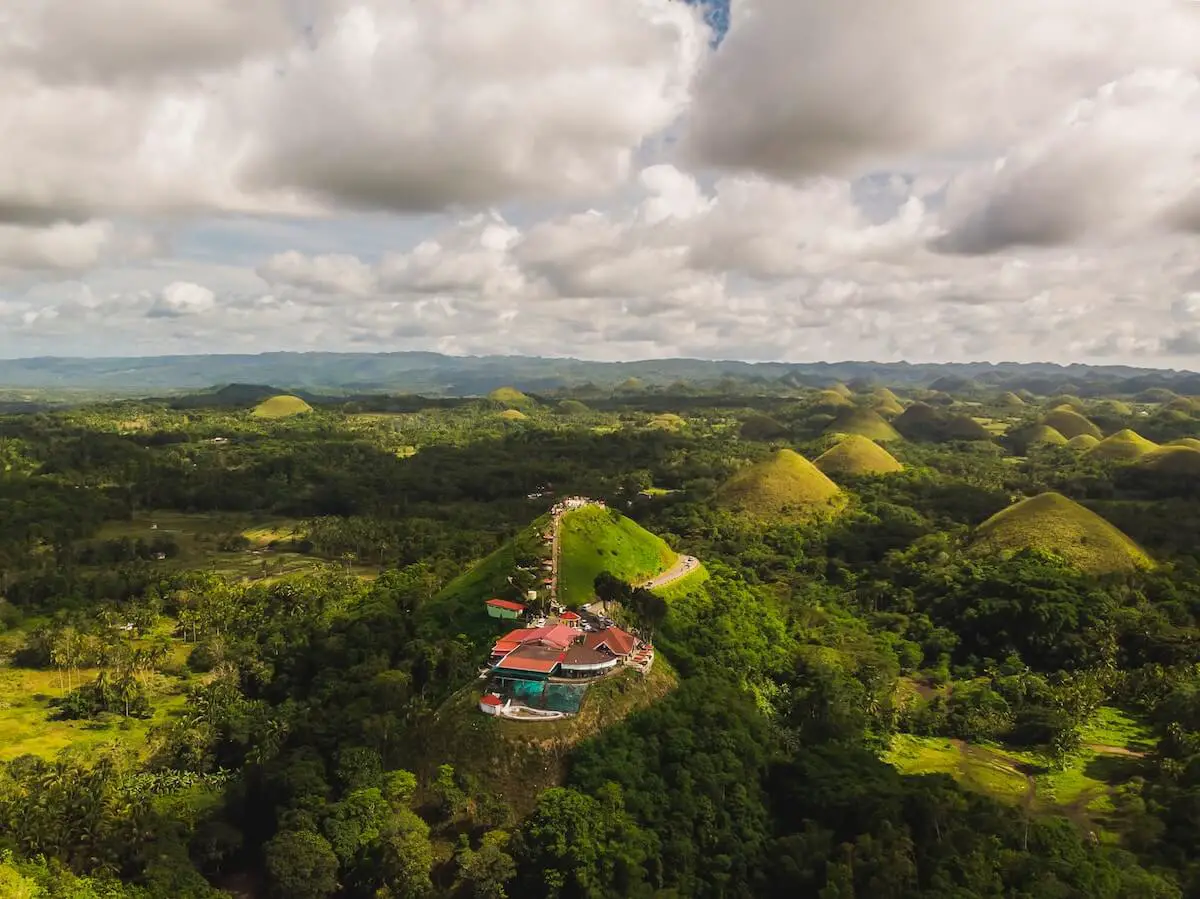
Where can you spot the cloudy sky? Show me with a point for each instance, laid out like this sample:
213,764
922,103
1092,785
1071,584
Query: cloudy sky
926,180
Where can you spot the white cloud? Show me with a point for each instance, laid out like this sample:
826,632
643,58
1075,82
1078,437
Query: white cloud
334,273
181,298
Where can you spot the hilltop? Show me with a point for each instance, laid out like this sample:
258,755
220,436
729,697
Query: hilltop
595,539
857,456
863,423
785,486
511,397
1083,442
1175,459
1123,446
1052,523
513,415
1036,435
1070,423
830,399
1190,442
922,422
282,406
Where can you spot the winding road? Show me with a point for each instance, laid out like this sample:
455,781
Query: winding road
683,566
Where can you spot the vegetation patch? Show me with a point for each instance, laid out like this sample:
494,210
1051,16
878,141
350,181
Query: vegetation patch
1123,446
511,397
513,415
863,423
1052,523
595,539
1083,442
786,486
1070,423
856,456
1172,460
282,406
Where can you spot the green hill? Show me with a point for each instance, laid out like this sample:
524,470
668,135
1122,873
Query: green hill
762,427
842,389
886,403
1123,446
1024,439
573,407
1114,408
1186,441
864,423
1083,442
512,398
1010,400
1066,399
1070,423
785,486
922,422
1052,523
593,539
1174,459
1182,404
282,406
830,399
1156,395
857,456
513,415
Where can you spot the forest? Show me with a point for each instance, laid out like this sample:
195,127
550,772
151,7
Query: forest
945,643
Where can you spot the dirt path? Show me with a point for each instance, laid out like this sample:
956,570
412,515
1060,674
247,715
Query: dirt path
1115,750
684,566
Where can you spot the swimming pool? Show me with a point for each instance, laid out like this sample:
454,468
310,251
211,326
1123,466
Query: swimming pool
540,694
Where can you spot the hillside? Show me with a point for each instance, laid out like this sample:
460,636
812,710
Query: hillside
595,539
1123,446
1052,523
830,399
1070,423
863,423
282,406
1175,459
513,415
1083,442
511,397
857,456
1011,400
785,486
1036,435
922,422
1190,442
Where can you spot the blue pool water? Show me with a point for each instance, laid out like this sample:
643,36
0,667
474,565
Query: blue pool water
541,695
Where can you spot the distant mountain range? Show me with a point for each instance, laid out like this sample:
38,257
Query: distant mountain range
433,374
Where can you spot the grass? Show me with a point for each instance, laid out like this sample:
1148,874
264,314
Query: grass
1114,727
785,486
686,585
1083,442
1172,460
513,415
1011,400
831,398
1053,523
1044,435
863,423
667,421
511,397
458,607
593,539
283,406
1189,442
856,456
1070,423
1123,446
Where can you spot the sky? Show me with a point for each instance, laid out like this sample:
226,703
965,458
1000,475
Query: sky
929,180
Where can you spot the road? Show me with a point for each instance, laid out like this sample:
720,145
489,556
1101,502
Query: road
684,566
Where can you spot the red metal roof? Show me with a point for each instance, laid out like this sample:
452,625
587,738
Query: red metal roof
506,604
531,658
568,616
616,640
558,636
489,699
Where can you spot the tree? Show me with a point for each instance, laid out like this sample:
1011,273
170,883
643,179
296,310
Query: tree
487,869
406,857
301,865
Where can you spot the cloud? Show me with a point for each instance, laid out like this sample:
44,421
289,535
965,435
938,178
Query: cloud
216,105
804,87
182,298
334,273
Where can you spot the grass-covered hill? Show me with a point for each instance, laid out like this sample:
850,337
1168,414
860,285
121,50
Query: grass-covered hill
512,398
784,486
830,399
282,406
1082,443
856,456
1036,435
922,422
1010,400
1070,401
1182,404
863,423
513,415
1123,446
1176,459
1052,523
1191,442
573,407
1070,423
595,539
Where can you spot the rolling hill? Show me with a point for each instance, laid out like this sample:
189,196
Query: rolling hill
857,456
785,486
1083,442
512,398
1123,446
1175,459
922,422
1070,423
830,399
863,423
1186,441
282,406
1052,523
1036,435
513,415
595,539
1010,400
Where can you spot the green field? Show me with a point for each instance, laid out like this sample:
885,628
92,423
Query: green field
592,540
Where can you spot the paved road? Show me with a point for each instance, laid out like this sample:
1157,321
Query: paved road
683,567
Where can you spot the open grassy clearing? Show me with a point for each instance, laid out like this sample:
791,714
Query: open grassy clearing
593,539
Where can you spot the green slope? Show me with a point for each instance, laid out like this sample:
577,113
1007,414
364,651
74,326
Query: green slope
865,423
593,539
1052,523
785,486
857,456
1123,446
283,406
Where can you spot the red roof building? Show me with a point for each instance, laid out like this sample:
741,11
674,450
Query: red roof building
507,604
554,636
537,661
570,619
491,699
613,639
